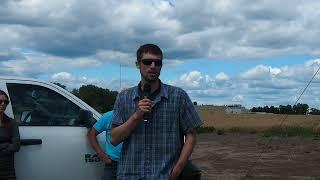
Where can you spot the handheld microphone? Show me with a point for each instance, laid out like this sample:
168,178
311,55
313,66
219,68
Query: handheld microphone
146,93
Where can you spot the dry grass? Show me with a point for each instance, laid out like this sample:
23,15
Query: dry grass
217,118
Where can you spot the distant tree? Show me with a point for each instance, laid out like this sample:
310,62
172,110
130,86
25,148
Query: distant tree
305,108
271,109
314,111
259,109
75,92
284,109
300,108
195,103
295,109
100,99
60,85
289,109
253,109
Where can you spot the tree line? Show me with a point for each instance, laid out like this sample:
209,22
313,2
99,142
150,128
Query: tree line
103,99
99,98
287,109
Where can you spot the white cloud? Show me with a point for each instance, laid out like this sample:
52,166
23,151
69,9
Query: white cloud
72,81
238,98
313,63
194,80
222,29
261,72
115,57
33,64
259,86
41,38
62,76
279,89
222,77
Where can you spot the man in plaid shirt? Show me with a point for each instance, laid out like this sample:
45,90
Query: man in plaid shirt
153,146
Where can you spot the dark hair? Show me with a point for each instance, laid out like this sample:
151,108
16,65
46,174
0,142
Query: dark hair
5,119
149,48
4,93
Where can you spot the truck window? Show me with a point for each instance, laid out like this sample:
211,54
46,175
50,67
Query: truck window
35,105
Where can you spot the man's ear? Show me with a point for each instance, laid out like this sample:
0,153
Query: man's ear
137,65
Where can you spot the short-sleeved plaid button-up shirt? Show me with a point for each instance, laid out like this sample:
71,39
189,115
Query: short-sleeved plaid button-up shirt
153,148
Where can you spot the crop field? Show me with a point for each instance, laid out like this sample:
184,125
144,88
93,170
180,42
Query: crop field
217,117
236,155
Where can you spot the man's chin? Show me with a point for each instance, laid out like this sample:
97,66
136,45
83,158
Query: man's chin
151,80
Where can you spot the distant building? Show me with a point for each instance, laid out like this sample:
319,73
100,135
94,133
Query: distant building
236,109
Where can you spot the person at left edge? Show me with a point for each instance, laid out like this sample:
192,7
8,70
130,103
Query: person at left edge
112,153
9,140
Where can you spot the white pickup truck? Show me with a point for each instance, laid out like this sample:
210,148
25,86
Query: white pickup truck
53,126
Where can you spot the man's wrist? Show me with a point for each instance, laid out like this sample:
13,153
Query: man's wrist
99,153
181,164
135,116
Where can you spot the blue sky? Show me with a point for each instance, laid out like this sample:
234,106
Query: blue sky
233,68
230,52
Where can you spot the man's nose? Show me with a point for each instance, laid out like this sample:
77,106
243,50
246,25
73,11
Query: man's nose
153,64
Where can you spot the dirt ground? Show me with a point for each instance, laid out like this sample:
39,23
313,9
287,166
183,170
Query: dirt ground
250,156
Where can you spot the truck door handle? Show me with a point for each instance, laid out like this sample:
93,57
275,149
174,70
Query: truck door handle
27,142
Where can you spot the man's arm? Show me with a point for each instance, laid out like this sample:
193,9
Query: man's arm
185,154
92,137
122,132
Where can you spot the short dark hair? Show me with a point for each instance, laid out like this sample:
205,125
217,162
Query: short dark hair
4,94
149,48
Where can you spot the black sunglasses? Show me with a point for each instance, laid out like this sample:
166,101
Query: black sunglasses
148,62
6,102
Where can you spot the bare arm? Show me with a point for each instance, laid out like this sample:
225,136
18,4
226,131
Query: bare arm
184,155
122,132
92,137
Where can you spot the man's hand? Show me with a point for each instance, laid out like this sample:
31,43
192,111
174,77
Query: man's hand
176,172
105,158
185,154
144,106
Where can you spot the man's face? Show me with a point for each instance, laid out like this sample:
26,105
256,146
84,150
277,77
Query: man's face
150,67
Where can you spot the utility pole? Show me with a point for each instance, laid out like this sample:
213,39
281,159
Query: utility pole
120,79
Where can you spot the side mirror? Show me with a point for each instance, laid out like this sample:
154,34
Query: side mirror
86,118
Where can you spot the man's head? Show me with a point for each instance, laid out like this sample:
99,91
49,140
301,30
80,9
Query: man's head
149,62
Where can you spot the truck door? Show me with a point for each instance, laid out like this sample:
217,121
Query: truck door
58,147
